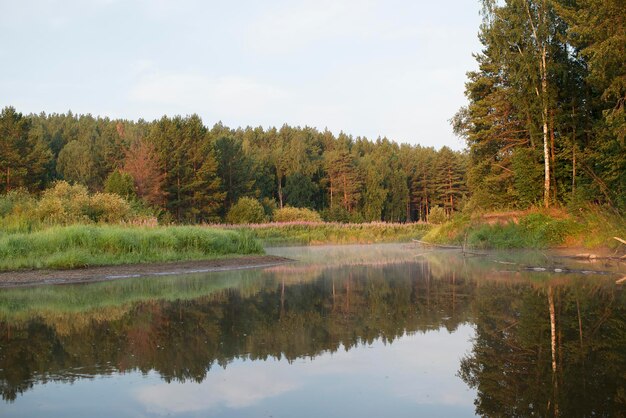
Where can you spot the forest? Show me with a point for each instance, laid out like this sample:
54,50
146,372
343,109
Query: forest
190,173
545,125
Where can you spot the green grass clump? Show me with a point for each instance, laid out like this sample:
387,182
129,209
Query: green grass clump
316,233
535,230
90,245
600,226
532,230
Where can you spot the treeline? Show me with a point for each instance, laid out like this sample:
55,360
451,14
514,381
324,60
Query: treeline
546,121
191,173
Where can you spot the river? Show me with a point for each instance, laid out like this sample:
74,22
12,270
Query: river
369,331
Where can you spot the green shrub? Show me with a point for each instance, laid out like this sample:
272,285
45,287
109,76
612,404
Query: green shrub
121,184
246,211
16,211
63,204
108,207
289,214
437,215
66,204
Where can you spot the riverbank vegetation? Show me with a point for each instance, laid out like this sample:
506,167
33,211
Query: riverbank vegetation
545,127
534,228
316,233
96,245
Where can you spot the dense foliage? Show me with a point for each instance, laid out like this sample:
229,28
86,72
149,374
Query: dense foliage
191,173
546,116
66,204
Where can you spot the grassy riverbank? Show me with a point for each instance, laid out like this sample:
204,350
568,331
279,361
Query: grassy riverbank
318,233
536,229
97,245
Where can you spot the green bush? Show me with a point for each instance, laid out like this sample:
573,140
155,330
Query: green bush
246,211
289,214
16,211
63,204
121,184
108,207
437,215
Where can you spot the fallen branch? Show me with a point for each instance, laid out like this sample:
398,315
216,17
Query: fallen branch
620,240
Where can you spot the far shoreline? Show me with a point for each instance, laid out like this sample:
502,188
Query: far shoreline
93,274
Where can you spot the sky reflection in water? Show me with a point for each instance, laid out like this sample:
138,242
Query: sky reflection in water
346,331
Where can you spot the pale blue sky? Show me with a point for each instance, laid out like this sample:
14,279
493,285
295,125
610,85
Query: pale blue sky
372,68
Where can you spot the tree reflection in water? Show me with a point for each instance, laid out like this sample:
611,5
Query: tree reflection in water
541,348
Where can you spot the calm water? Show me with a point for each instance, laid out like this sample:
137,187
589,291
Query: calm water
365,331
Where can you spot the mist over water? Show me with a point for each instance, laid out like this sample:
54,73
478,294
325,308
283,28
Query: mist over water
384,330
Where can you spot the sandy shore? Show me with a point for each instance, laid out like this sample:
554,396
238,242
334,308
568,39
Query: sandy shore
95,274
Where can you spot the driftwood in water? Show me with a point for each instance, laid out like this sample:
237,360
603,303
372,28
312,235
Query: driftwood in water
566,270
587,256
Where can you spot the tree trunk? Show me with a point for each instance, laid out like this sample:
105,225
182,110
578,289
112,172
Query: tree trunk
573,168
553,154
280,191
546,148
555,381
543,96
345,193
331,192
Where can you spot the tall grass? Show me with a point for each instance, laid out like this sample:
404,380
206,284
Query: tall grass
533,231
316,233
591,228
90,245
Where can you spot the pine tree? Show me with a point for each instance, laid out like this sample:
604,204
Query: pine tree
23,158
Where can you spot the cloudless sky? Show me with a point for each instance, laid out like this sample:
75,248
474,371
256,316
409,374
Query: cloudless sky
393,68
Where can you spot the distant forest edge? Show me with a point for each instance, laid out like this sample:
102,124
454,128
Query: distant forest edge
190,173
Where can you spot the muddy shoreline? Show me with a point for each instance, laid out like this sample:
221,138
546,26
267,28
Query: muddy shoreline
104,273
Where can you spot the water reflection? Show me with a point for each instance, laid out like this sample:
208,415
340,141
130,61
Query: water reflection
390,326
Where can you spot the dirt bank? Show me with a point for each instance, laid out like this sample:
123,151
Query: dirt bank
94,274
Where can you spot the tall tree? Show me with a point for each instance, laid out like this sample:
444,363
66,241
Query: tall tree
23,158
142,163
234,168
